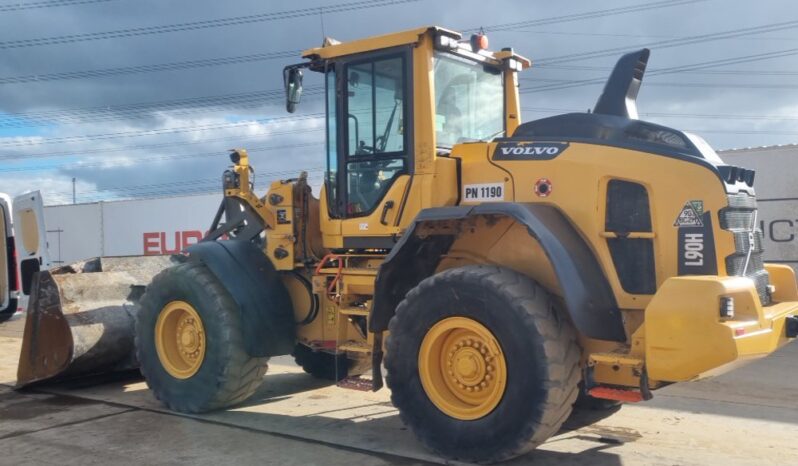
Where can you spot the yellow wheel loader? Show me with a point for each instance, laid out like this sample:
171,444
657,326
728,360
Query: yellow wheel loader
499,271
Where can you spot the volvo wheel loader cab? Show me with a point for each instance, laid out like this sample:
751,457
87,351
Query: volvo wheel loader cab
500,270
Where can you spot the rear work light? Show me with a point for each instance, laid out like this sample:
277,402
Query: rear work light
791,325
12,266
726,307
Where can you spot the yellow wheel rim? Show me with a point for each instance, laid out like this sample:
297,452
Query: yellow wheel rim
180,339
462,368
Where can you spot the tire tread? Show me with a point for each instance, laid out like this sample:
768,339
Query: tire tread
532,304
241,375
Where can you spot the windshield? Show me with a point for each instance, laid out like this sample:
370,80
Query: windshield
469,101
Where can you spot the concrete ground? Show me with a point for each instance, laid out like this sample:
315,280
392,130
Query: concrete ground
749,416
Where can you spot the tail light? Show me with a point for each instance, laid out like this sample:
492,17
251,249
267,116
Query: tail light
13,276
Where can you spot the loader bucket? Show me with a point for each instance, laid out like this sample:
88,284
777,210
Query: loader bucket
81,317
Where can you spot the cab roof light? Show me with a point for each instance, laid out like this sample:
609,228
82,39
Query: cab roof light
446,42
478,42
514,65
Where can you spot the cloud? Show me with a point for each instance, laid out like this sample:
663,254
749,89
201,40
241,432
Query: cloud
166,160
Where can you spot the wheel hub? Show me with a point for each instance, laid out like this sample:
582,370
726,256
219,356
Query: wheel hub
462,368
180,339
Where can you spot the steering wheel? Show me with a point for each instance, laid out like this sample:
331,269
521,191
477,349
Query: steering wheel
363,149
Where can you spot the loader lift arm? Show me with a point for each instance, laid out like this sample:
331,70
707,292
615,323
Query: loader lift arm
246,215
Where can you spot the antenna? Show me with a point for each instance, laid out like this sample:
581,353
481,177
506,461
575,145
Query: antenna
321,18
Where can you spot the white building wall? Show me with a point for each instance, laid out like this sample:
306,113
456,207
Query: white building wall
777,197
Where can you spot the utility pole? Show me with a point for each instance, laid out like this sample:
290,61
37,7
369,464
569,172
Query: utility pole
74,199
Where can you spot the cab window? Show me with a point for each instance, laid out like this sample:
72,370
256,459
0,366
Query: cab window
332,137
376,141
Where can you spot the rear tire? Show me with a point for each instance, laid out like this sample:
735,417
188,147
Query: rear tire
226,374
538,356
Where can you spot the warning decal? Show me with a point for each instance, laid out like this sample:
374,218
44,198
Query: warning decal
691,214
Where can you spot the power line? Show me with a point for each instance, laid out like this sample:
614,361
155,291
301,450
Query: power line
157,158
289,14
8,7
151,105
585,15
105,151
707,72
580,16
153,132
674,69
215,180
198,25
684,84
146,109
677,42
176,66
636,36
712,116
17,142
173,66
195,186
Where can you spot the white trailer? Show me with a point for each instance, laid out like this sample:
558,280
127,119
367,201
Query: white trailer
127,228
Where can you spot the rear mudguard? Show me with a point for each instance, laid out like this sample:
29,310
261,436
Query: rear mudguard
267,315
587,294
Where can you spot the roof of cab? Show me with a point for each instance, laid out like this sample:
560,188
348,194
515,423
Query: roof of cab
395,39
410,36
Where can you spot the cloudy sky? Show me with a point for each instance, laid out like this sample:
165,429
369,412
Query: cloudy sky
142,98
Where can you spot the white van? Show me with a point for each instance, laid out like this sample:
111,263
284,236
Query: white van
23,248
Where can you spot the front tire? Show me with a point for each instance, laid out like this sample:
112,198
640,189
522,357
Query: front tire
189,342
481,366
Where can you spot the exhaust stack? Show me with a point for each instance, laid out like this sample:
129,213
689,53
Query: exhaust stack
619,96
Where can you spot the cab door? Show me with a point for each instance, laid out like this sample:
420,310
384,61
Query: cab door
369,145
8,265
31,237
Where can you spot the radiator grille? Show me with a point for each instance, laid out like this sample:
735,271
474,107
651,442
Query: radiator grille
740,219
628,212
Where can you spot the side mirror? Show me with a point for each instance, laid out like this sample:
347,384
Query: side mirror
293,88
